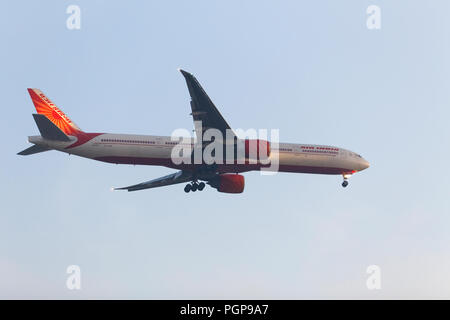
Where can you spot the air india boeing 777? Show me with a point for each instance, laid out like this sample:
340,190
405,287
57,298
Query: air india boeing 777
59,133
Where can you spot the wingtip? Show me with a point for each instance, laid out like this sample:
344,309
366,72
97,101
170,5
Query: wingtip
115,189
184,73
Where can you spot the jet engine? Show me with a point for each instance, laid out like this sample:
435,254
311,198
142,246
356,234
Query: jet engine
228,183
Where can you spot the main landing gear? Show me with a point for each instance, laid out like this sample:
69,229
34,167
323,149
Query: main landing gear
194,186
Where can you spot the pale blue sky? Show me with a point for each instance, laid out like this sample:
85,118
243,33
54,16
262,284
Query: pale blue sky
309,68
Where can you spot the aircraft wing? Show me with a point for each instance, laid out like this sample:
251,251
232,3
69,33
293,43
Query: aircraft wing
203,109
174,178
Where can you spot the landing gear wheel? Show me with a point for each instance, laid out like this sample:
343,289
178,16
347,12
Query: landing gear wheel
201,186
194,187
187,188
345,183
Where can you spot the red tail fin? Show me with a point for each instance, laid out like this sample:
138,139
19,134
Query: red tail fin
53,113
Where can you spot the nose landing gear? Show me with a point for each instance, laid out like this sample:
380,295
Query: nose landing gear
194,186
345,182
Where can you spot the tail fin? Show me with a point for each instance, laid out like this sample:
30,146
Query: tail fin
48,129
47,108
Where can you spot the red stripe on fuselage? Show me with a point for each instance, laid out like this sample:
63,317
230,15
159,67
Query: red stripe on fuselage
83,137
222,168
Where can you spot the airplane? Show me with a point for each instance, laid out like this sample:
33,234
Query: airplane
58,132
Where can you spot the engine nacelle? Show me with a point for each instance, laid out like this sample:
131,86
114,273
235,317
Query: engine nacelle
228,183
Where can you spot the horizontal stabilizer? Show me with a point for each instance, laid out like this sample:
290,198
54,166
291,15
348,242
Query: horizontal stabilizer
33,149
48,129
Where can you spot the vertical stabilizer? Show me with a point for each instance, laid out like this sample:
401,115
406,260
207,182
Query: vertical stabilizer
47,108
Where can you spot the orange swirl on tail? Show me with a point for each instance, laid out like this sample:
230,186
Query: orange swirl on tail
46,107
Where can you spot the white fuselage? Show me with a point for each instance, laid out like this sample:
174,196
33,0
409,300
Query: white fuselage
157,150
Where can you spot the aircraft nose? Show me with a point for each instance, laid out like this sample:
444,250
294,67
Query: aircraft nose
364,164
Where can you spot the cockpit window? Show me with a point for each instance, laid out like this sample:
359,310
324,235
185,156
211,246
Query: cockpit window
354,154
